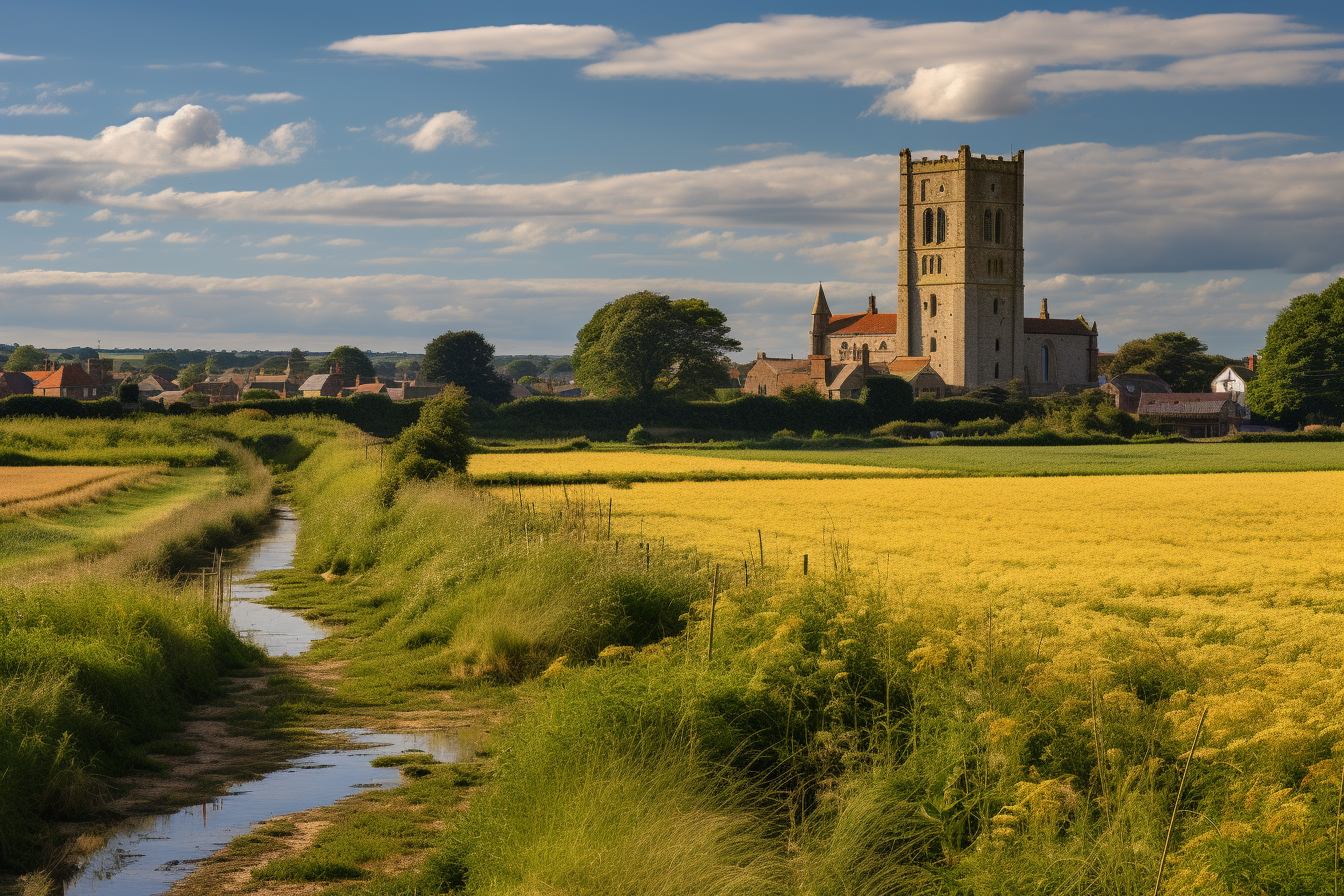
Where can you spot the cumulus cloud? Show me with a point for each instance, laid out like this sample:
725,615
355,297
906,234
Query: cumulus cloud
284,256
971,71
529,236
46,256
35,217
343,241
767,148
181,238
169,105
445,127
124,236
471,46
283,239
10,57
31,109
60,168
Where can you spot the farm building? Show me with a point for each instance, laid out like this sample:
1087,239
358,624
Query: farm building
1198,415
69,381
1232,380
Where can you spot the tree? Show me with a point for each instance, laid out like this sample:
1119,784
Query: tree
436,444
1301,369
351,361
258,395
128,393
191,375
298,363
1180,360
521,368
463,358
274,365
645,342
159,359
26,357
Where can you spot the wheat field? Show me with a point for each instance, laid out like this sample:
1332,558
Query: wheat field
620,463
24,489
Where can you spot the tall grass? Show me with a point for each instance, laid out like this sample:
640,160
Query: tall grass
90,669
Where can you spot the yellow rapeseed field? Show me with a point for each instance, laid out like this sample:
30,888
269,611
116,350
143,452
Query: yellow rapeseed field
1235,581
577,463
44,488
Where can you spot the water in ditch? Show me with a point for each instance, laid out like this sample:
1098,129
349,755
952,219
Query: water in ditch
145,856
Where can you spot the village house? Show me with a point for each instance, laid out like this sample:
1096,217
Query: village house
1233,380
68,381
218,391
1127,388
14,383
323,385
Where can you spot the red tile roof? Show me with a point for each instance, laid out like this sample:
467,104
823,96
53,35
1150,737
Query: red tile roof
66,377
912,364
861,324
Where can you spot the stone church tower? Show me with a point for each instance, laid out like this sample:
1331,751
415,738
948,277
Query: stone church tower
960,290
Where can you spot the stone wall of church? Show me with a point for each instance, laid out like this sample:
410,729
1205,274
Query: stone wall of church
1068,362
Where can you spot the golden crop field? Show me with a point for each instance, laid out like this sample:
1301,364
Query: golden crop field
44,488
1237,579
578,463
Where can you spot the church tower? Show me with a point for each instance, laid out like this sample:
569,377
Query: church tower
959,279
819,356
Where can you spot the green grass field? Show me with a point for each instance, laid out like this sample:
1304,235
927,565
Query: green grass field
1082,460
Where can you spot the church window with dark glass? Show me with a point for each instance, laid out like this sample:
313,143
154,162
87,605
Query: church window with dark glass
996,370
933,344
989,225
928,226
998,226
996,348
933,306
939,259
942,226
996,308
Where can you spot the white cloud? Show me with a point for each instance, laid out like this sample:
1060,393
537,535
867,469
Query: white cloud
283,239
1090,207
35,217
185,238
766,148
470,46
10,57
445,127
30,109
971,71
105,214
284,256
168,105
50,90
57,241
62,168
46,256
529,236
281,97
875,255
124,236
245,69
343,241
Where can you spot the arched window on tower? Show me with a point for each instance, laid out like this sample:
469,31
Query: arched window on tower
998,226
928,226
1045,363
924,264
996,370
882,347
996,348
940,263
942,226
933,306
989,225
933,344
996,311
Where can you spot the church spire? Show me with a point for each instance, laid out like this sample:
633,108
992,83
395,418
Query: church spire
820,306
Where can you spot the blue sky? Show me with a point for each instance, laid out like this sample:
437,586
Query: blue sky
265,175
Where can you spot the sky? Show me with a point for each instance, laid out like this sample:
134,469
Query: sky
260,176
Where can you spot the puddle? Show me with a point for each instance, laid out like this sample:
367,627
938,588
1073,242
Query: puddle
146,856
278,632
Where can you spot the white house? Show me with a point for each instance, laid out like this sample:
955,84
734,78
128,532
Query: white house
1233,379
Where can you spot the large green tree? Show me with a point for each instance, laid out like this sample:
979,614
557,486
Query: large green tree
191,375
351,361
644,342
1301,370
1181,361
26,357
464,357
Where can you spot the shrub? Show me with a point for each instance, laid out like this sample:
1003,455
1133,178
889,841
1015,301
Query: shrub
902,430
580,444
780,435
639,436
439,442
259,395
888,398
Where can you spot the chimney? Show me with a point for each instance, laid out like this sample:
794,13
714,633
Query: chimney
1250,362
1045,312
872,304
